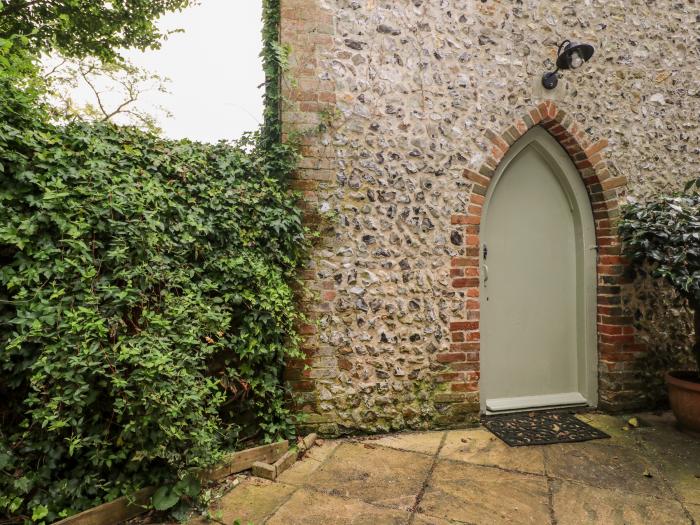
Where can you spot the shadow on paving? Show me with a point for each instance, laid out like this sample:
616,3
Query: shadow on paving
649,474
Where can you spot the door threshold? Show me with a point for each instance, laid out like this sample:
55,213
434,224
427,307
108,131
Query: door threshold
517,404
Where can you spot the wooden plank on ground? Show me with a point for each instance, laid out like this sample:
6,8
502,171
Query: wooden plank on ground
285,461
308,442
240,461
265,470
116,511
127,507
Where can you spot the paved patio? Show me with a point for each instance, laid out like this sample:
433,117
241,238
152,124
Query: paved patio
649,474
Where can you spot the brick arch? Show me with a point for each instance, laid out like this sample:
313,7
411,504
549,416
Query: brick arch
617,344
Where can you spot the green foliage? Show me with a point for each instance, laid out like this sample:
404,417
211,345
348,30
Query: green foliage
663,236
79,28
274,56
146,303
166,497
693,185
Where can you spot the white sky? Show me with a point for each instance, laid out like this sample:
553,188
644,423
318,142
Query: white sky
214,68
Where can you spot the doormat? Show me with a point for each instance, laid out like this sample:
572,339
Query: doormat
541,428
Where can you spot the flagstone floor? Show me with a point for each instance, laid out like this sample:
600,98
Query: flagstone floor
644,475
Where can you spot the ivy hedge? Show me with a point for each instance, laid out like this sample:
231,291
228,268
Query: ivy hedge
146,302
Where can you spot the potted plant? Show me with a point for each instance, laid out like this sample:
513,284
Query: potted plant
663,237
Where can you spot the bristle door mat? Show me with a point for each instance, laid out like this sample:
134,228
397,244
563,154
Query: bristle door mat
541,428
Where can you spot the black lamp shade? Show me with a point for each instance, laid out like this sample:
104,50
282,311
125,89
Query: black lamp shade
564,58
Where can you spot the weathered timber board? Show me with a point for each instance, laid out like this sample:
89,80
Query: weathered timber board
262,469
265,470
127,507
286,461
308,442
244,460
116,511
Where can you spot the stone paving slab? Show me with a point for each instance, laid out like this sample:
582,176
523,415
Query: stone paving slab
579,504
423,442
312,508
253,501
469,476
322,449
373,474
694,512
481,447
678,456
617,427
485,495
605,466
299,473
423,519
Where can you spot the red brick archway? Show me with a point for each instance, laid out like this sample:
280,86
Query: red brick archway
617,344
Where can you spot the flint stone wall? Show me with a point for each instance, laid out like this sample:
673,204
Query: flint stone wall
395,101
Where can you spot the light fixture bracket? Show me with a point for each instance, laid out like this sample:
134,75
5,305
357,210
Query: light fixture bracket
565,53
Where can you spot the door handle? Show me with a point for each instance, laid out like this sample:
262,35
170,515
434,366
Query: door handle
486,273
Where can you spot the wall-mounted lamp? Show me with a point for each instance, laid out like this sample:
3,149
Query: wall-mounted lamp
570,55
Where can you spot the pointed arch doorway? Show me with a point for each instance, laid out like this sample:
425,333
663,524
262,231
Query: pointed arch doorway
538,282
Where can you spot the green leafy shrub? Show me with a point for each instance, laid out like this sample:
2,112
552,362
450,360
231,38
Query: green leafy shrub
663,237
80,28
146,303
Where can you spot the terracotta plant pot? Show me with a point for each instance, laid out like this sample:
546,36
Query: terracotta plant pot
684,395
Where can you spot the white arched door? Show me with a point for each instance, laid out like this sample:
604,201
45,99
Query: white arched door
538,282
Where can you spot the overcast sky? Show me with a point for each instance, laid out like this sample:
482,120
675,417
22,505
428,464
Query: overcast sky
214,67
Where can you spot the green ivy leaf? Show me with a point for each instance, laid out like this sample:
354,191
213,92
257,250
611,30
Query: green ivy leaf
165,498
39,512
188,486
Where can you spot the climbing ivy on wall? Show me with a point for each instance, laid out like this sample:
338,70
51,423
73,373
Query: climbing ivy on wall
274,56
146,298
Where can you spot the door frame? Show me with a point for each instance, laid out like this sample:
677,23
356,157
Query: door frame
619,345
586,251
